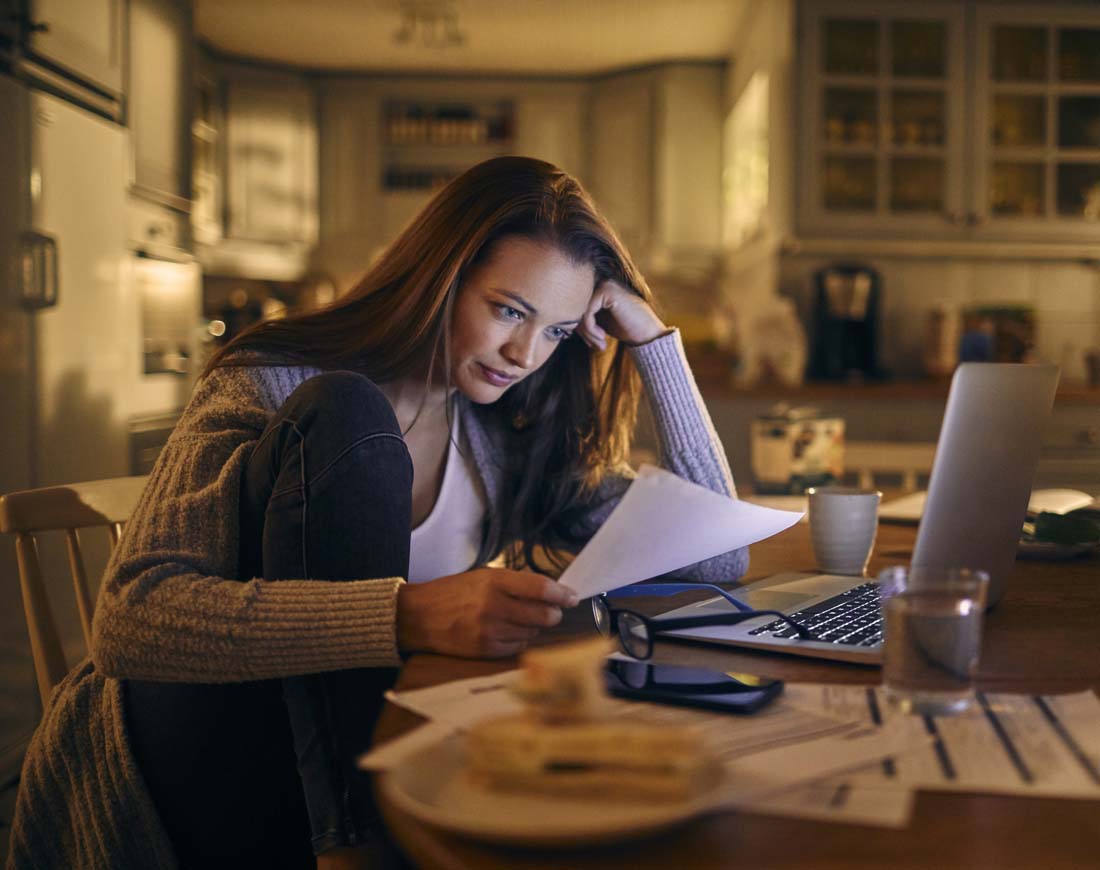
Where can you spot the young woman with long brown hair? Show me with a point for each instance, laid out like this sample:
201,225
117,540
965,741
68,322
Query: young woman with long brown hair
330,501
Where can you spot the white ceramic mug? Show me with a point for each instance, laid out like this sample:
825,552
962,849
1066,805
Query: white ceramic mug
843,523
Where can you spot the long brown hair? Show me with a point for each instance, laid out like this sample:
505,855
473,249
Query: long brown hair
567,423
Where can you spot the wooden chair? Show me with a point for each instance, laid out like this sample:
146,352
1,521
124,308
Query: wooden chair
97,503
910,462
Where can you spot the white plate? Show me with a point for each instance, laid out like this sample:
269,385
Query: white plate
433,788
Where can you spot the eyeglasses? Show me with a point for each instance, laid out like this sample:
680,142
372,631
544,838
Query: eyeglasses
636,632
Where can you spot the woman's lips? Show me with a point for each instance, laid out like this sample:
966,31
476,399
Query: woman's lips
497,379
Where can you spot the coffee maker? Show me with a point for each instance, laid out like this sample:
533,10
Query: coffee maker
846,311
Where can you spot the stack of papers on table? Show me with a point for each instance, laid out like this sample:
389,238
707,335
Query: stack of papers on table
836,753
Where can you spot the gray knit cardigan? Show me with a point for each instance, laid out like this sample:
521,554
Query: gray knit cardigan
170,609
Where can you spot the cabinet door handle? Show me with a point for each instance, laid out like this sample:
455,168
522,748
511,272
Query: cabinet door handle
38,281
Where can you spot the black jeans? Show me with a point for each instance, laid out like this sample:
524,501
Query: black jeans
264,771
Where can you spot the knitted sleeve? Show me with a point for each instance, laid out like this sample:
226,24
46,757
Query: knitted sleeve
171,607
688,446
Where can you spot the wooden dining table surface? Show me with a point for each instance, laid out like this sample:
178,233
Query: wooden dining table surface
1043,637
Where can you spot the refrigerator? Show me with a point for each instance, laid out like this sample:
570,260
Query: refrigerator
79,314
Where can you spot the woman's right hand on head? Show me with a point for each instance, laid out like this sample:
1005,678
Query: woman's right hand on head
484,613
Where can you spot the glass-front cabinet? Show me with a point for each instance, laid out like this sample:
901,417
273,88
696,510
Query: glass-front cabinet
949,120
1038,121
884,133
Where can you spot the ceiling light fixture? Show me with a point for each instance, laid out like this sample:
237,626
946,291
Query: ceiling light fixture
429,23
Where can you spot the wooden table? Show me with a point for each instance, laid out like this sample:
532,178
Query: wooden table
1044,636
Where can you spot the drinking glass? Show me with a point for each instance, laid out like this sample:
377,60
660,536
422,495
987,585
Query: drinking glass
933,636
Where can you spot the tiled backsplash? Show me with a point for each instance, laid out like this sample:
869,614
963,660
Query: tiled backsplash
1065,295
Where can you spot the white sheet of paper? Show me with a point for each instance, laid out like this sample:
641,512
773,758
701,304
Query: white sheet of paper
409,745
839,800
1047,746
663,523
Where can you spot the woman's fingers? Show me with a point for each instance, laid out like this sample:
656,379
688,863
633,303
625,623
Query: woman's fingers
593,334
509,632
537,587
503,650
525,612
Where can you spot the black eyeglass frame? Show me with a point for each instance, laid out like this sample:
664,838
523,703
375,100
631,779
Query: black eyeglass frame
659,625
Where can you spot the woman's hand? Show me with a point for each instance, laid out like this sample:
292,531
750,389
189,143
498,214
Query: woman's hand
484,613
621,313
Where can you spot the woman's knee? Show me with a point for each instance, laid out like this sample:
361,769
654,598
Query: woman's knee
344,399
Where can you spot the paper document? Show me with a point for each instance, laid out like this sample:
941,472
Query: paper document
663,523
1041,745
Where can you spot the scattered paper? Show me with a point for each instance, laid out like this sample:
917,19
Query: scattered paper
662,523
837,800
771,770
400,749
1041,745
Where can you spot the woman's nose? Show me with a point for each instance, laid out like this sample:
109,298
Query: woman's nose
520,349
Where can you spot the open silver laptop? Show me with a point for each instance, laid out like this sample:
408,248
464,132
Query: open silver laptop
982,474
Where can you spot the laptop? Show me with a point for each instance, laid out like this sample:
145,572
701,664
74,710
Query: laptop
977,501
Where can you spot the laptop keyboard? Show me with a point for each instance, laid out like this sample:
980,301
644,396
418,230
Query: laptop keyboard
853,618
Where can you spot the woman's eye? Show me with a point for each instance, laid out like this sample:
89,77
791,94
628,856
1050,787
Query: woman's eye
559,334
509,312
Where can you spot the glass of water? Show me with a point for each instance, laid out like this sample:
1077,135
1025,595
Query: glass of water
933,636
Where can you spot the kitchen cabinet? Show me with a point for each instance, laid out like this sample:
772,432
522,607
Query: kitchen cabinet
270,159
207,125
76,47
644,128
160,100
884,125
972,121
254,172
1037,120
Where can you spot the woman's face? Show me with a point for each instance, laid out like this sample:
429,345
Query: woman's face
510,314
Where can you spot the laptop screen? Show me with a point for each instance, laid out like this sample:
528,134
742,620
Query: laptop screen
984,467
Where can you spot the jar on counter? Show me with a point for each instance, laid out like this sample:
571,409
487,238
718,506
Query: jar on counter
942,331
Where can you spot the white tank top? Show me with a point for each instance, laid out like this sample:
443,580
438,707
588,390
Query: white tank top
447,541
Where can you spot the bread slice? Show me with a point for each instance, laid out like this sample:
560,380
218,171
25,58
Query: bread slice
593,759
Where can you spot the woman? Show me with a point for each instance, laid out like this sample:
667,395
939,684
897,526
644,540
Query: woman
330,501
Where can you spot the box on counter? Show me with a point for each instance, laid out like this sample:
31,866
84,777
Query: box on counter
794,449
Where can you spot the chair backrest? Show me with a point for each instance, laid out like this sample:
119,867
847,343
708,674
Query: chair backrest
908,461
103,503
